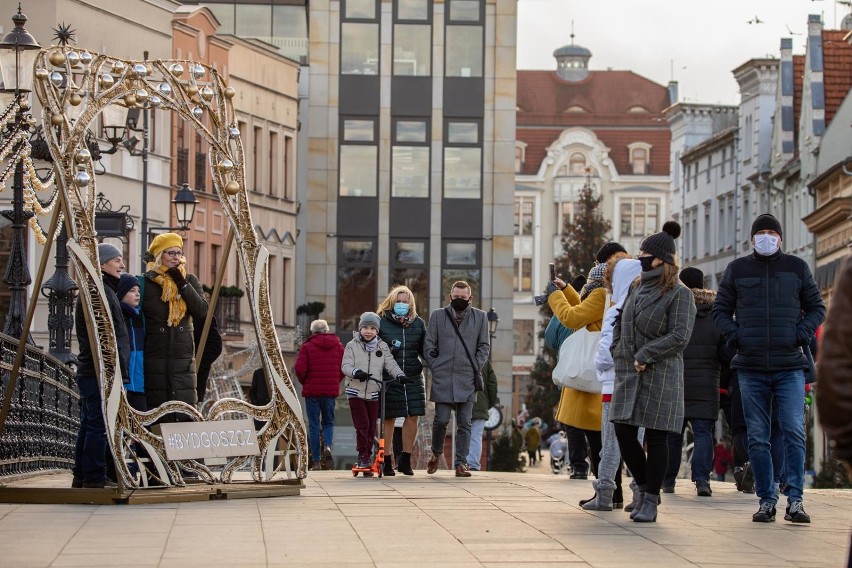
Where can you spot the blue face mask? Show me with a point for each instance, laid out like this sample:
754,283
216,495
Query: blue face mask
400,309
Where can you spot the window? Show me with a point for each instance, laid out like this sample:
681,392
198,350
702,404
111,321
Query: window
694,236
463,42
215,253
358,158
639,216
356,279
722,163
523,332
412,50
200,164
640,156
524,215
520,156
410,159
709,167
257,157
359,9
287,164
577,164
461,262
409,267
359,49
731,161
417,10
273,163
729,234
707,231
747,138
462,161
522,278
722,220
197,258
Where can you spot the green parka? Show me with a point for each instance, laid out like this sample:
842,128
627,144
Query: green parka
486,398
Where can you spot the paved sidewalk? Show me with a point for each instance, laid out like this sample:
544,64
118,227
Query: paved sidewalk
492,519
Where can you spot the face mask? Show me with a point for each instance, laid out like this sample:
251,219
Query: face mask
459,304
647,263
766,245
400,309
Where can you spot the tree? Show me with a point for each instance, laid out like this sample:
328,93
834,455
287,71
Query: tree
582,238
542,395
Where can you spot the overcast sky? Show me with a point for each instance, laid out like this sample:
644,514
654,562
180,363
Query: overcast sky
697,42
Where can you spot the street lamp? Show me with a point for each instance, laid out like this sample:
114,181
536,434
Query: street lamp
495,416
493,320
185,204
18,50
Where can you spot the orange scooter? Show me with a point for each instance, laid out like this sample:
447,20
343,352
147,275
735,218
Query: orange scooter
378,465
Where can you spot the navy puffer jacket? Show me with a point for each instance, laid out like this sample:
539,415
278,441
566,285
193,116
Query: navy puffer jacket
408,399
704,360
777,306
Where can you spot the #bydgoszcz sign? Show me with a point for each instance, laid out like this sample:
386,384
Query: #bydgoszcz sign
218,439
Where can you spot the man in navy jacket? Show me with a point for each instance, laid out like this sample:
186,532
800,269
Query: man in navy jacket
768,307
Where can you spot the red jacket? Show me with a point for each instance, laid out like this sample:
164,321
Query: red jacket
318,365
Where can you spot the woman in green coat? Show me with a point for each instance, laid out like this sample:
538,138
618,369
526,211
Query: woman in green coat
171,301
404,332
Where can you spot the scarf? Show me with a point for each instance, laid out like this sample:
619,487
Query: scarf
371,345
594,280
171,294
405,321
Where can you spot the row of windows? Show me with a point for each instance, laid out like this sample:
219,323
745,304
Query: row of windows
639,154
726,164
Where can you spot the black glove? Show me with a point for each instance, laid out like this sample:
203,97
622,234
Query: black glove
551,288
360,375
433,353
174,274
400,379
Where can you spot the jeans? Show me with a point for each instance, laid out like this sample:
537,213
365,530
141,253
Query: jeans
90,450
439,428
702,451
364,415
760,391
776,441
609,468
477,427
320,414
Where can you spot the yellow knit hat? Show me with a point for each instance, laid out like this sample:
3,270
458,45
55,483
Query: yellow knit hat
163,241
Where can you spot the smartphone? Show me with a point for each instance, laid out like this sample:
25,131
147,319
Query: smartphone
552,272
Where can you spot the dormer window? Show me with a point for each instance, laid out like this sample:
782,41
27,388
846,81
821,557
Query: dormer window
520,156
640,157
577,164
575,108
638,109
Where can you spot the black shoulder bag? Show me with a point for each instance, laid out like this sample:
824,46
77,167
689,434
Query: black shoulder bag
477,373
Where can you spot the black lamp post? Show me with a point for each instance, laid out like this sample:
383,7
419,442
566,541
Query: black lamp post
493,320
18,50
185,204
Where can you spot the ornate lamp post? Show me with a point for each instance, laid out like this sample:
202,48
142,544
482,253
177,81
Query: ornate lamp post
18,50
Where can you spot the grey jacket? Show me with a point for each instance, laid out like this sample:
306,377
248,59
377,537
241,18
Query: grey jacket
654,329
452,376
356,357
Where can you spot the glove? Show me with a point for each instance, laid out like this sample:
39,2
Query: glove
551,288
400,379
433,353
174,274
360,375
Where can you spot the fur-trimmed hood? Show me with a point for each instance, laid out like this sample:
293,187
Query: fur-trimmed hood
703,296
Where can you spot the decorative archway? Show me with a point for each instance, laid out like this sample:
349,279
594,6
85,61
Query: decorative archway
74,86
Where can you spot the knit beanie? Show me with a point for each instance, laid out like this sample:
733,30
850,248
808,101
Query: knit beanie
608,250
662,244
370,318
125,284
766,222
163,241
107,252
692,278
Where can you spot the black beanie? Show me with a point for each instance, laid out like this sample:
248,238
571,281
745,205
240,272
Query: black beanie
692,278
766,222
662,244
608,250
125,284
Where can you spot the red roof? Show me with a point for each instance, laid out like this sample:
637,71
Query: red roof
837,59
606,97
798,80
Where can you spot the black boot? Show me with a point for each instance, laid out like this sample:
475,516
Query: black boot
388,471
404,465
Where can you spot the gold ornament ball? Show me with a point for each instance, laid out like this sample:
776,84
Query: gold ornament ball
191,90
232,188
41,73
230,92
56,119
56,58
130,100
24,104
75,99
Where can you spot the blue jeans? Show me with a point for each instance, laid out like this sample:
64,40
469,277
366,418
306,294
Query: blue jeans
90,450
477,427
786,390
320,415
702,451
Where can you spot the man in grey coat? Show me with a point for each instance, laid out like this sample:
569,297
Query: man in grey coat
456,347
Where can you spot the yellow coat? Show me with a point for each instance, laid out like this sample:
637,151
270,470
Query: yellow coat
576,408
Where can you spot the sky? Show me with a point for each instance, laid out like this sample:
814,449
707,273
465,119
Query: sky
697,43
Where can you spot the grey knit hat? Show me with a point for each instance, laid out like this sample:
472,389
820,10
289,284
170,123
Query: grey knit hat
370,318
107,252
662,244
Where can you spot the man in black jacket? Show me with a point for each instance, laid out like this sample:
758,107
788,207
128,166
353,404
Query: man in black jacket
768,307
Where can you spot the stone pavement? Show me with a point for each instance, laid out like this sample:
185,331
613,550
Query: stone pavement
492,519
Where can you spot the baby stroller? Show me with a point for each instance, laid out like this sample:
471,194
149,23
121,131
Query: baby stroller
558,444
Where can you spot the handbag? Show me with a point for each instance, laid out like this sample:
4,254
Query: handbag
575,367
478,385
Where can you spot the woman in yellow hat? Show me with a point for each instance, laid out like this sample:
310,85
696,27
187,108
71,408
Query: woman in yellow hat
171,300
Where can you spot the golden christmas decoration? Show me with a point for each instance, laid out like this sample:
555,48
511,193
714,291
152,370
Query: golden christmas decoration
232,188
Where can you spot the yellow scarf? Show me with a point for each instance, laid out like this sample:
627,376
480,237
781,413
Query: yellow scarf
171,294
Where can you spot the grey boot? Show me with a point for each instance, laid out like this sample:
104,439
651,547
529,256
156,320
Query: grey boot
602,500
648,512
635,497
638,500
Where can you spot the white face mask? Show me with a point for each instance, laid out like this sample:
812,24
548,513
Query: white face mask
766,245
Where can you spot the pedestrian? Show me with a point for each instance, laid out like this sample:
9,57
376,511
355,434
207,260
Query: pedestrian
722,458
835,372
127,292
456,348
620,274
91,447
648,342
172,303
768,307
532,437
485,400
318,370
366,357
404,331
705,359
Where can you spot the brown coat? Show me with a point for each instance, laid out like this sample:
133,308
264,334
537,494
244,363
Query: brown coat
834,388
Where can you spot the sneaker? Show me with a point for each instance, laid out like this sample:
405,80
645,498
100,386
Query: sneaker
703,488
796,513
766,513
363,462
316,465
432,464
579,475
327,459
747,485
462,470
105,484
668,488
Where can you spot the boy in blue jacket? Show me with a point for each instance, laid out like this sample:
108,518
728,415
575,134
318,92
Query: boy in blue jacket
128,294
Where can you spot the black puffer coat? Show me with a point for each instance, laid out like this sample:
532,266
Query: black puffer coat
408,399
704,360
170,351
85,360
777,306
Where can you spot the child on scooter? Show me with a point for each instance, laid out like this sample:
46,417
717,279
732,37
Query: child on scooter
366,357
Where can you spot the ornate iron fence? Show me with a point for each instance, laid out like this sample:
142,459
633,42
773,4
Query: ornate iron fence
44,414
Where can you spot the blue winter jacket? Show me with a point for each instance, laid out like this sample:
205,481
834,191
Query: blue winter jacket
768,307
556,333
134,321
